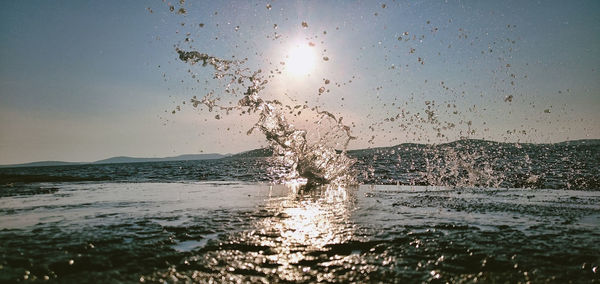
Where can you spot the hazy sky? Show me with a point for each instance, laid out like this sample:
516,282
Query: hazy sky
86,80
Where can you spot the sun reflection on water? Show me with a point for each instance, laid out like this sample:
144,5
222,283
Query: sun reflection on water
301,223
312,219
304,221
290,237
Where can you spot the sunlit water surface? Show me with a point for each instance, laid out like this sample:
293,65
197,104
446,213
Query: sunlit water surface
253,232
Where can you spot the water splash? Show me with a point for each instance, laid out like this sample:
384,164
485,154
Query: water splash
318,162
459,165
417,116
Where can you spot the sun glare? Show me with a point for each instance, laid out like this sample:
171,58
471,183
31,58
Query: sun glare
301,59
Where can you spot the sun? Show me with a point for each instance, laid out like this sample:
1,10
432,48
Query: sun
301,59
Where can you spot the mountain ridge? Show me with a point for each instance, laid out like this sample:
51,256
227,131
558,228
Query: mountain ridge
121,160
265,152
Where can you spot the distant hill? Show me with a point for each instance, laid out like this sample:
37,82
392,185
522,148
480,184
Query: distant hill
189,157
121,159
266,152
468,143
262,152
591,142
41,164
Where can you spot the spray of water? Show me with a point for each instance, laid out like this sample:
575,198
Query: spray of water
317,162
318,154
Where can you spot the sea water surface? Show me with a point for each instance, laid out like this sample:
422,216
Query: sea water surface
228,221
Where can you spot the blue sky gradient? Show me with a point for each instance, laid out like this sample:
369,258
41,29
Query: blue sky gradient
85,80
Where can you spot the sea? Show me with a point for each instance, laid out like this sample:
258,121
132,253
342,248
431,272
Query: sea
462,212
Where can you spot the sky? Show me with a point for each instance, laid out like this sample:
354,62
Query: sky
87,80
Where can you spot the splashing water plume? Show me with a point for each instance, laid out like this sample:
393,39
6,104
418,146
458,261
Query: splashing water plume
448,113
317,162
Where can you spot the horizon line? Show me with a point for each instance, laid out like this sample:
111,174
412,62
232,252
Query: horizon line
230,154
